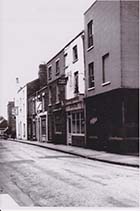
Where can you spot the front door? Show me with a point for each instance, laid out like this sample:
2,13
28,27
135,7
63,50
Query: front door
69,129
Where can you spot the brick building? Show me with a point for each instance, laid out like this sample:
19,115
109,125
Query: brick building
37,106
41,101
33,86
56,107
3,127
112,70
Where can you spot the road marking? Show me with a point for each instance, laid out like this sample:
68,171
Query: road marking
6,201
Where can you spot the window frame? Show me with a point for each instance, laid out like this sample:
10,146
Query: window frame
91,77
50,95
75,53
50,72
57,93
90,34
104,80
76,82
65,59
77,119
57,66
58,126
43,126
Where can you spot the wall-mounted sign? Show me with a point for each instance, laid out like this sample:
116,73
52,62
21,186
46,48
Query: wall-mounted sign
62,81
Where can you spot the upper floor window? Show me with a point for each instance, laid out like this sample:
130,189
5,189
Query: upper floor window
75,53
57,66
50,95
91,75
43,103
50,72
90,33
76,84
65,60
57,93
105,68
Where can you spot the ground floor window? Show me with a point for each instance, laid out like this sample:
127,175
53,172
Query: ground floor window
76,123
43,126
50,127
34,128
58,125
24,130
131,109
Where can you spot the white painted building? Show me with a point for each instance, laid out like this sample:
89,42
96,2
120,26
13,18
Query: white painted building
74,67
75,89
41,116
21,113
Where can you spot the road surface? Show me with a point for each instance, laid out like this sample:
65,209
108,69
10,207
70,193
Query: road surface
35,176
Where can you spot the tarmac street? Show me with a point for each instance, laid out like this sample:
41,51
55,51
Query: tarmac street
35,176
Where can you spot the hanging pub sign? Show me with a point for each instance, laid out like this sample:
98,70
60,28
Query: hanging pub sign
62,81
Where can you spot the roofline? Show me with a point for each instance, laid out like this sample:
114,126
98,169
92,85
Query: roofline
54,56
74,38
26,85
35,93
90,7
21,88
65,46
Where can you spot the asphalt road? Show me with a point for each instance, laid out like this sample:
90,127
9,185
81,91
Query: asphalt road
35,176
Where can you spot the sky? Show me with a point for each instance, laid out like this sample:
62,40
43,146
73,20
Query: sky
32,32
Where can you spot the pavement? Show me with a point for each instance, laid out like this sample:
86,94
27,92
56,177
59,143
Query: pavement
103,156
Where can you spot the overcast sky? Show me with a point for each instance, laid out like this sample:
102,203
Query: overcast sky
31,32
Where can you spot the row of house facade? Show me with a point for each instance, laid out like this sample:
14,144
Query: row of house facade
87,94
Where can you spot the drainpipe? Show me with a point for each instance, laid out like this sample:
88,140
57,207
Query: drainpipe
84,102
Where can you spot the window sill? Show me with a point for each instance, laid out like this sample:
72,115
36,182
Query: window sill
92,88
57,102
77,134
50,105
106,83
75,61
91,47
57,73
58,133
66,67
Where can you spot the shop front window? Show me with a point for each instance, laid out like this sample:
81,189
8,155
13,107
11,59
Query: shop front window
43,126
58,125
78,123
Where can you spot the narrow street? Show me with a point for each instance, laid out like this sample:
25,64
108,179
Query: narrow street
35,176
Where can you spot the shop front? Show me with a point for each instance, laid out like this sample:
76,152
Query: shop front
75,123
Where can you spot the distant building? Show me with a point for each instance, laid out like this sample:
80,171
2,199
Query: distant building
41,102
24,125
21,113
11,119
3,126
112,71
32,88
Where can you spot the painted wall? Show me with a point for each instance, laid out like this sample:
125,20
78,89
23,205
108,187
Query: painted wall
72,67
130,43
106,27
116,31
21,116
